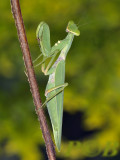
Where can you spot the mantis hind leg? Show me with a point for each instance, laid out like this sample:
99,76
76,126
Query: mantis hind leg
52,89
57,87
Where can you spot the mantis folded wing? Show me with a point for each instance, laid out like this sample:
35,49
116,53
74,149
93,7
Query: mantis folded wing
56,83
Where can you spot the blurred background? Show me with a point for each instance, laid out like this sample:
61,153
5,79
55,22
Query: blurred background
91,122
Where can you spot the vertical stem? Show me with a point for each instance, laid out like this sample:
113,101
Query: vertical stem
31,78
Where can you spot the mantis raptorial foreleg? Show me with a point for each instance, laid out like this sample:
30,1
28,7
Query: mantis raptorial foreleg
43,35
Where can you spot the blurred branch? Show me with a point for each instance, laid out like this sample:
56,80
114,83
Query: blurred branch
31,77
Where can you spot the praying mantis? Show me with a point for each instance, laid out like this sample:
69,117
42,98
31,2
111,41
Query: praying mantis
56,83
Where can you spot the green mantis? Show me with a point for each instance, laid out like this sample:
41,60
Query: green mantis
56,82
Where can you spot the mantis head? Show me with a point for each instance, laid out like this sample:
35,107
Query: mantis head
72,27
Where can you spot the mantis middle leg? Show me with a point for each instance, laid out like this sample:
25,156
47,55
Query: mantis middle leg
52,89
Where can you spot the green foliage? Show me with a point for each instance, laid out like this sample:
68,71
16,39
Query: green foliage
92,71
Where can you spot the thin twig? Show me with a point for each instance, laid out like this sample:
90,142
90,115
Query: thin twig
31,77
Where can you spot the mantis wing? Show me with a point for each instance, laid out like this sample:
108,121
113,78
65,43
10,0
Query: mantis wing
43,35
55,105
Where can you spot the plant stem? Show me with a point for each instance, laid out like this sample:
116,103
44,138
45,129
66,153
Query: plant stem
15,6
